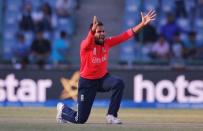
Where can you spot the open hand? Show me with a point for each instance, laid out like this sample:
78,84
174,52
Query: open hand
95,23
146,19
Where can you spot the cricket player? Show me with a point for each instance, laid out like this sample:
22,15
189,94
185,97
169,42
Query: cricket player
94,76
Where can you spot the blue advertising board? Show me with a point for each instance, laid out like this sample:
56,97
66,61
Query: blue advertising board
144,88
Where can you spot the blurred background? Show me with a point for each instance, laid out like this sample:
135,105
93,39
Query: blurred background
174,38
40,40
162,65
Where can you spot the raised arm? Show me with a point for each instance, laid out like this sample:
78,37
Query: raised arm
146,19
90,37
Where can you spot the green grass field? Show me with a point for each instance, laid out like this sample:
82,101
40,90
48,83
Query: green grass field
43,119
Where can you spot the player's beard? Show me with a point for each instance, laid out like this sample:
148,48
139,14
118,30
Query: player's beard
100,40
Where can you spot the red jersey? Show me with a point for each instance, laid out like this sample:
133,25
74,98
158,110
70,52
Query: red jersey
94,58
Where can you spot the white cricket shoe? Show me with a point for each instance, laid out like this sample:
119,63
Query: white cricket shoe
59,109
113,120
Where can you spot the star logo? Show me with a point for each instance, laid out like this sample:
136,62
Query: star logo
70,86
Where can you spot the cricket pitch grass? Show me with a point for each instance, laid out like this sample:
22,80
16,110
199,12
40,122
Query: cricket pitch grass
43,119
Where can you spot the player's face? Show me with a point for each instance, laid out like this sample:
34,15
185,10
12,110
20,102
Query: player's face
99,35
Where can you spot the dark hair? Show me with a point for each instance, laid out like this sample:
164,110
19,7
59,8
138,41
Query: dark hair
192,33
63,34
161,35
176,33
99,24
20,36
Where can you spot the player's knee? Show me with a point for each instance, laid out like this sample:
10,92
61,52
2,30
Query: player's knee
82,120
120,84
